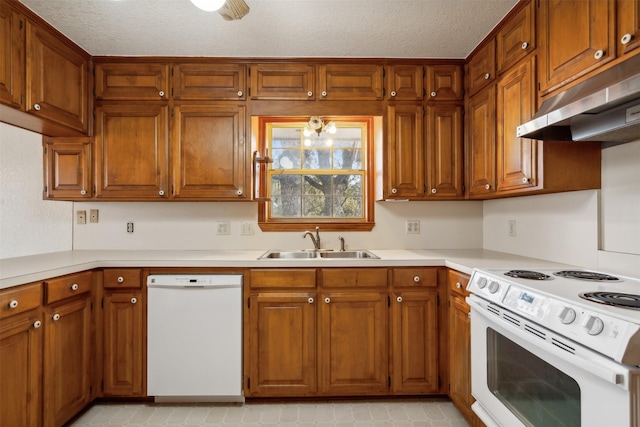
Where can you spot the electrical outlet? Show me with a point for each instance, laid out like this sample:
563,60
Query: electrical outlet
93,215
81,217
413,226
130,227
223,228
246,229
512,227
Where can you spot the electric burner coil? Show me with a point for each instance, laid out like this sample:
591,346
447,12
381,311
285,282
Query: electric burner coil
614,299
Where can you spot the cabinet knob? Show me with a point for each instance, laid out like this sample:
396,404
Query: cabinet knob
434,191
310,300
525,45
120,279
399,299
239,192
324,93
327,300
56,317
525,180
74,287
161,193
394,190
134,300
393,93
487,187
487,76
13,304
469,315
309,93
36,107
37,324
161,93
416,279
83,192
626,38
433,94
458,285
239,93
599,54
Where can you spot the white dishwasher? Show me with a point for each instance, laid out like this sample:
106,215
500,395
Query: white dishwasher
194,337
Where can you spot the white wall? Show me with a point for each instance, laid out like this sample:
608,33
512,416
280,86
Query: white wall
28,224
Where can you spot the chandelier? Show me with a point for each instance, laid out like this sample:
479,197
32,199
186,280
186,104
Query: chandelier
318,125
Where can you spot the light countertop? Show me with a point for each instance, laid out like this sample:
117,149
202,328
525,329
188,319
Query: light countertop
20,270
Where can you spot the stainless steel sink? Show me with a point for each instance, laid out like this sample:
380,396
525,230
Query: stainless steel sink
326,254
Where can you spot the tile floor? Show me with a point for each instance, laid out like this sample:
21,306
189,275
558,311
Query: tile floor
397,413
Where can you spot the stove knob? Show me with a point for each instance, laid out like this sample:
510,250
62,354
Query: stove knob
594,325
567,315
493,287
481,282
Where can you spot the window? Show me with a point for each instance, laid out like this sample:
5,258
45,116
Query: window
317,177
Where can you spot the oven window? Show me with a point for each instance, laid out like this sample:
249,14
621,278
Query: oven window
533,390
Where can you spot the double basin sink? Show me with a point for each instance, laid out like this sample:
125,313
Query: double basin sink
319,254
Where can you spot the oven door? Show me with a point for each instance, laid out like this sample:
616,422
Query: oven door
525,375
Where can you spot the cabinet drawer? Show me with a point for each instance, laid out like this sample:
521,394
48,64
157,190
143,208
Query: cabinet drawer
414,276
283,278
122,278
354,277
20,299
63,287
458,282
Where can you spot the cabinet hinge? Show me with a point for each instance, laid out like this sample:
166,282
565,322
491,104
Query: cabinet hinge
384,92
438,300
248,382
45,150
439,381
388,301
172,76
248,302
22,99
389,381
21,23
538,3
171,91
249,92
102,303
94,113
172,113
173,191
91,305
102,385
45,188
90,390
463,189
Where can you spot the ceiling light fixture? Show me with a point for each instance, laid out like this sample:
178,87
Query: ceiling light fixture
318,125
208,5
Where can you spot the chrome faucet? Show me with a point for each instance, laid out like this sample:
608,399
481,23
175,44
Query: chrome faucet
316,239
341,243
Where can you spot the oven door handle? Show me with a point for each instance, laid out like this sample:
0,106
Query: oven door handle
577,360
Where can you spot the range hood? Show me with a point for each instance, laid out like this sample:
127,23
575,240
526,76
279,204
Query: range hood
604,108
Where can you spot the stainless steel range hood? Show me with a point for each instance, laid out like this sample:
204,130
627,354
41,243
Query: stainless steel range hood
604,108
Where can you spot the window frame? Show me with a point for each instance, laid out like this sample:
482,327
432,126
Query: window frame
366,223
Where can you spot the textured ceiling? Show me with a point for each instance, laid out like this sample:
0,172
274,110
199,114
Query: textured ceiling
277,28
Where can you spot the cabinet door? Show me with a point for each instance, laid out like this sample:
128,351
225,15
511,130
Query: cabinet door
131,147
21,367
444,82
12,52
481,154
482,66
516,157
414,332
354,351
209,82
628,35
405,82
576,36
351,82
460,355
517,38
283,81
67,348
124,338
208,152
405,154
444,151
282,344
67,168
132,81
56,80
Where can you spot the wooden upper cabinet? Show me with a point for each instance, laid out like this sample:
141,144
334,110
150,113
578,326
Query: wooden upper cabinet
445,152
405,176
132,81
481,143
56,79
209,82
67,168
283,81
12,52
482,67
131,143
351,82
517,38
628,35
208,152
516,102
405,82
444,82
577,36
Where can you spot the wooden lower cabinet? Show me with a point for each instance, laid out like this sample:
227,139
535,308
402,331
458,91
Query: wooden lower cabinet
67,359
